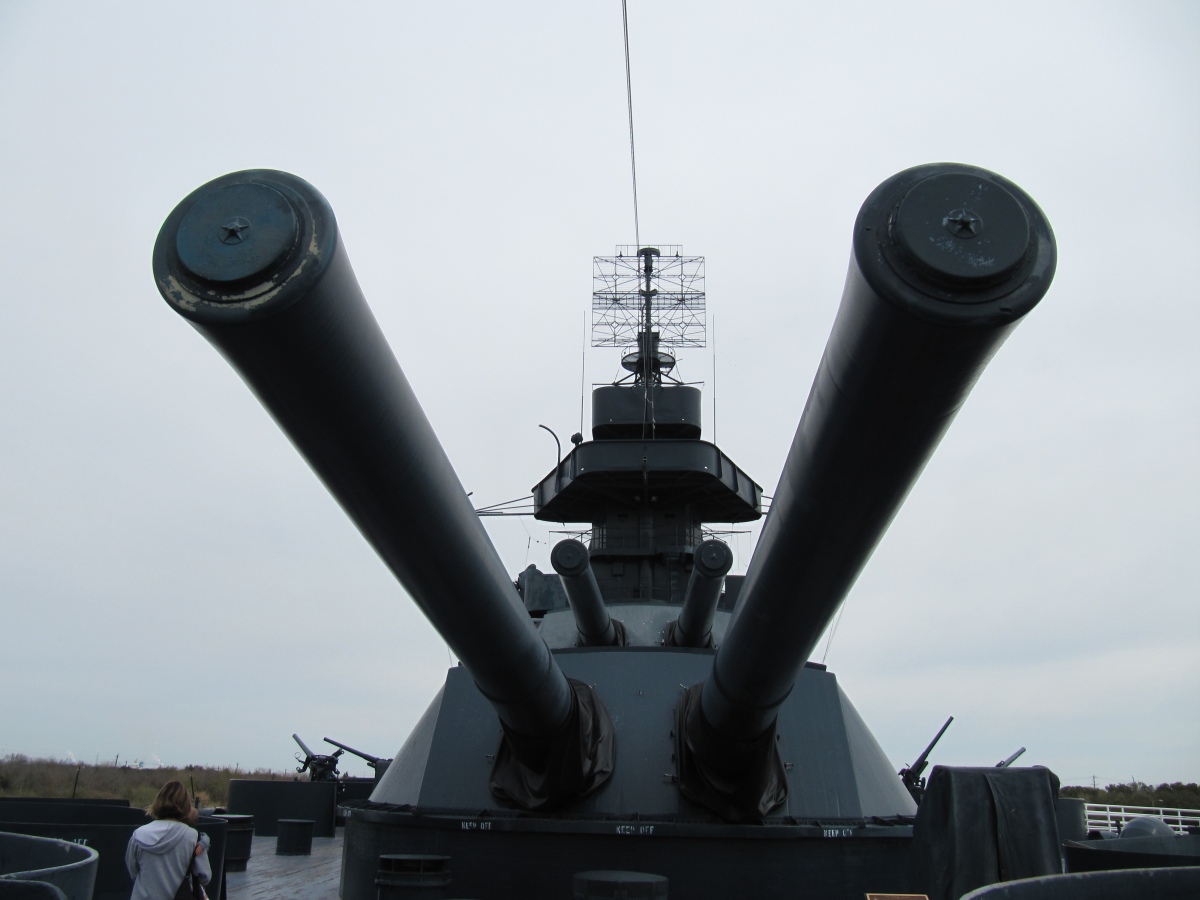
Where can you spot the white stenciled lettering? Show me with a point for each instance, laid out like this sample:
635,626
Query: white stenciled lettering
635,829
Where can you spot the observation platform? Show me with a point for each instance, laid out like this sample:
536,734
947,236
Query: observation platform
600,476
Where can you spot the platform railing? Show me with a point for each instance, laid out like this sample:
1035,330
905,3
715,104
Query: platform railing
1104,817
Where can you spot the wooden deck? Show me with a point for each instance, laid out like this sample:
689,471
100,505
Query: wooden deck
271,877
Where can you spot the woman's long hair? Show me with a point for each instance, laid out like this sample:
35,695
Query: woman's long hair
173,802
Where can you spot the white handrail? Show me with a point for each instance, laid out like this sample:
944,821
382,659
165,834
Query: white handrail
1106,817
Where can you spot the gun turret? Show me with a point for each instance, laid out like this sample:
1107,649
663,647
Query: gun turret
911,776
254,261
946,261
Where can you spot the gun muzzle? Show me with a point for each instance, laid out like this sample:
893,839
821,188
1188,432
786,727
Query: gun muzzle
710,565
572,562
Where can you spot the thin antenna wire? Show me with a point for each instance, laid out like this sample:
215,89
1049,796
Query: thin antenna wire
528,542
832,632
583,370
637,236
714,336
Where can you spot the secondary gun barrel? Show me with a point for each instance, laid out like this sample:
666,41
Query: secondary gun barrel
572,562
371,760
946,260
710,564
922,761
1008,761
303,746
911,775
255,262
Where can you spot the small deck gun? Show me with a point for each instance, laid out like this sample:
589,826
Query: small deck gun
911,776
319,766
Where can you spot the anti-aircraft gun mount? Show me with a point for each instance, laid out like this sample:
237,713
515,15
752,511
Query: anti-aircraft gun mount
574,744
324,767
319,766
911,776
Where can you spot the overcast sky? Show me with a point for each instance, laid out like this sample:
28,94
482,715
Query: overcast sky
176,585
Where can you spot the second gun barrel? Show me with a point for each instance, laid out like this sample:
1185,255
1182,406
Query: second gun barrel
710,564
946,260
572,562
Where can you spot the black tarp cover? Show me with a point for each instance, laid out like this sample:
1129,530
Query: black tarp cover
739,781
979,826
537,774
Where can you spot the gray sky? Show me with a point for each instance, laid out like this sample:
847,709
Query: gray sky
176,585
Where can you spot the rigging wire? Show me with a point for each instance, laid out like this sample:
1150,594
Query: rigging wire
629,102
500,508
516,500
833,631
583,371
528,544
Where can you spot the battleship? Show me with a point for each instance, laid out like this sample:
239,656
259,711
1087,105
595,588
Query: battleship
641,709
642,721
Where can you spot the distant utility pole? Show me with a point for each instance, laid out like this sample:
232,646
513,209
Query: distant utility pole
1093,781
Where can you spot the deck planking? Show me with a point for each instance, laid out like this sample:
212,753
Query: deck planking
271,877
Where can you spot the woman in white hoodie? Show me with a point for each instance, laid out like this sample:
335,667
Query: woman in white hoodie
160,853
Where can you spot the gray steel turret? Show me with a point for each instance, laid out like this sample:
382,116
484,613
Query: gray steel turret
642,708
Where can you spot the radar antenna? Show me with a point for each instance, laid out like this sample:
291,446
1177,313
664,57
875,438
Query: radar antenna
650,301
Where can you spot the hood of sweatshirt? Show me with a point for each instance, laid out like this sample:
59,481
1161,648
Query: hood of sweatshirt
162,835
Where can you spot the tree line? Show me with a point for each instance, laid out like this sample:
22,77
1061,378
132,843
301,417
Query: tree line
1136,793
21,776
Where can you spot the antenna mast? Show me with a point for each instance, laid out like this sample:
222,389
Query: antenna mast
643,300
637,235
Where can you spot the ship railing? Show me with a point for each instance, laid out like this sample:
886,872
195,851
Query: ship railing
1106,817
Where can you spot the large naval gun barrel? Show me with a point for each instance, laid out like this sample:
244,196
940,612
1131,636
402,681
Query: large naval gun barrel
595,626
254,261
711,563
946,261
